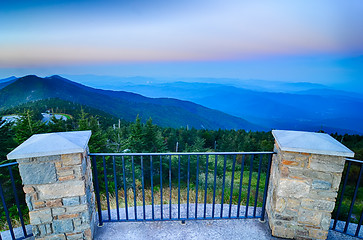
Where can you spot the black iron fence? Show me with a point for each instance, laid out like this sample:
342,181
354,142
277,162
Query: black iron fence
12,206
180,186
348,213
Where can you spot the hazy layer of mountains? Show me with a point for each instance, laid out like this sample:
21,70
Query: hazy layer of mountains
125,105
264,104
271,104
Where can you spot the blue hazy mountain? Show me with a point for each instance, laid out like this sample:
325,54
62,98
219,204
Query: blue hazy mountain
6,81
117,83
300,106
125,105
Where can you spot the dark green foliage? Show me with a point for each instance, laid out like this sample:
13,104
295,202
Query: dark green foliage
98,139
110,134
7,142
27,125
145,138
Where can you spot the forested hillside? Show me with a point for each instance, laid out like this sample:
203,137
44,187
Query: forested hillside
166,112
110,134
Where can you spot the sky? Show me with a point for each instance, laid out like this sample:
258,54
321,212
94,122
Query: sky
294,41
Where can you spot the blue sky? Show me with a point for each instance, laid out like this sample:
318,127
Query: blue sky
303,40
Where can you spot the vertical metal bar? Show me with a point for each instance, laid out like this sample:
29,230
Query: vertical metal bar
97,191
161,188
257,185
342,194
196,189
249,185
214,184
353,200
106,184
240,185
359,224
143,187
17,201
232,181
152,187
206,186
179,187
266,188
223,183
116,187
170,187
188,186
6,212
134,186
125,187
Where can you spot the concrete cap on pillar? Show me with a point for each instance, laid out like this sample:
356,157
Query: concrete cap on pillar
40,145
310,142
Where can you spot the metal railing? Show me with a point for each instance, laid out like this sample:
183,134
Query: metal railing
345,220
9,196
180,186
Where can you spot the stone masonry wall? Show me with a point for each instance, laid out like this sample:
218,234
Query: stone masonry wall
302,192
59,195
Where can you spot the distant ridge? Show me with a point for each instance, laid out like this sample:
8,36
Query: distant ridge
125,105
6,81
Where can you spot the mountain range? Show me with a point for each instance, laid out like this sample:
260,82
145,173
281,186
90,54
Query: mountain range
125,105
271,104
255,105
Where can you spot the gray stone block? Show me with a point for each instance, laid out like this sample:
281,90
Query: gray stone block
83,199
71,201
62,226
61,190
85,217
321,185
58,211
319,205
42,230
84,166
48,228
40,173
56,237
40,216
75,236
326,164
51,158
28,200
35,231
292,188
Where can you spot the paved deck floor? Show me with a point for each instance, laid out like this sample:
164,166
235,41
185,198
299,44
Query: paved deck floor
192,229
226,229
201,229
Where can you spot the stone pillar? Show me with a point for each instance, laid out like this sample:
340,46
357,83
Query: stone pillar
305,175
56,173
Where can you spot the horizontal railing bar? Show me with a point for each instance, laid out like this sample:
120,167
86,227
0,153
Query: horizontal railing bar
9,164
180,219
180,153
354,160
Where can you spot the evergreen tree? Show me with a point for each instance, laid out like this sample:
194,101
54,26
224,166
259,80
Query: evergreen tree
153,140
98,138
197,146
136,142
117,138
57,125
7,142
27,125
